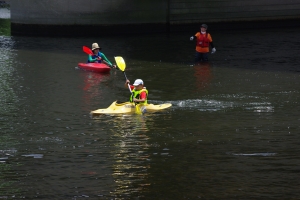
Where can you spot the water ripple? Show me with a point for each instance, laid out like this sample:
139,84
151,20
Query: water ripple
254,154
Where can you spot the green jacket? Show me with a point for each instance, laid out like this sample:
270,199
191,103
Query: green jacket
136,94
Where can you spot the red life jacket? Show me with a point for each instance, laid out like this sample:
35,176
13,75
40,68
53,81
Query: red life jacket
203,41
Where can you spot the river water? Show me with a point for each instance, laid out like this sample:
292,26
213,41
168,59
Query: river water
232,132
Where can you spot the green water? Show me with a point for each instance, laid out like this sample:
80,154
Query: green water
5,27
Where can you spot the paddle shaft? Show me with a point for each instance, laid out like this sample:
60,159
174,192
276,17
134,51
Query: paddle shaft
125,75
128,83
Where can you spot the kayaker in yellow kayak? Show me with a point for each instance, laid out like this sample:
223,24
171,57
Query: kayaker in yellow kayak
139,95
139,92
98,57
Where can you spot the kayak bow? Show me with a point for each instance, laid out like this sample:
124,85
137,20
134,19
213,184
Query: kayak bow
129,108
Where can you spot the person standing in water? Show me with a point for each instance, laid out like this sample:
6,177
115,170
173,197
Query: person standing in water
203,41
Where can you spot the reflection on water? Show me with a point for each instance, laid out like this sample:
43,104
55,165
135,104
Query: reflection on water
92,80
7,81
9,99
34,155
131,154
92,83
254,154
8,109
203,75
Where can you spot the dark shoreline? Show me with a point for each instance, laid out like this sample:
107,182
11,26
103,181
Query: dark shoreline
136,29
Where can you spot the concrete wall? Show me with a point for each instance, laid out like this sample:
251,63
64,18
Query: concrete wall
87,12
77,17
191,11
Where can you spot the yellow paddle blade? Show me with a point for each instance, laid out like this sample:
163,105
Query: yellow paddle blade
120,63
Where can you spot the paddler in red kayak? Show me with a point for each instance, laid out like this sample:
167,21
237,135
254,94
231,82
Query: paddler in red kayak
139,92
98,57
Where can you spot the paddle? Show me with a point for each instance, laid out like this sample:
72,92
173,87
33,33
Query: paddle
121,65
87,50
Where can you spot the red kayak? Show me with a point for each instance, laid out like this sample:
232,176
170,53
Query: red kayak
95,67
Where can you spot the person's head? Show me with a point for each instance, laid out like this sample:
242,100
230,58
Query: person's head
95,47
203,27
138,84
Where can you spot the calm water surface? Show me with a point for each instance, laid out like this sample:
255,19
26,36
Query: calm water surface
232,132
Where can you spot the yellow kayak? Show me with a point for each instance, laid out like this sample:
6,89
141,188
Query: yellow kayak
130,108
